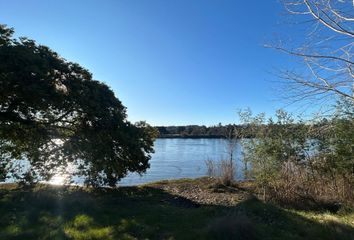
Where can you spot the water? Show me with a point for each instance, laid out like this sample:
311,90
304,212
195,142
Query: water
185,158
175,158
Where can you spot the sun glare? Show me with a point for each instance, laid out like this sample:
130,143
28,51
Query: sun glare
57,180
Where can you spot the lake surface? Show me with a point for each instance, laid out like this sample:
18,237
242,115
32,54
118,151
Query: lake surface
175,158
185,158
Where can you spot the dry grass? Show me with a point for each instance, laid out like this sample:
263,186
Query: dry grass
224,171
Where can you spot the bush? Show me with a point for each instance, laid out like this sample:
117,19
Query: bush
296,162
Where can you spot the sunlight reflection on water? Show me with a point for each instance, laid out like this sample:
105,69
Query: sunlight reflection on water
173,159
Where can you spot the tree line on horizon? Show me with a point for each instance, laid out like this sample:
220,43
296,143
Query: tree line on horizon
243,130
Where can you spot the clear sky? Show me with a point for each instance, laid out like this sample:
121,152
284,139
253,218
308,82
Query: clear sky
171,62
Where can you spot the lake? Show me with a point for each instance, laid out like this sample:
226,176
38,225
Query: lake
175,158
185,158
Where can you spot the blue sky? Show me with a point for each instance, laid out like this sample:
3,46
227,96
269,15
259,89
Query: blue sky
170,62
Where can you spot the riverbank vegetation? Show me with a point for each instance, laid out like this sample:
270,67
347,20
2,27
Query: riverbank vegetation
180,209
294,162
306,164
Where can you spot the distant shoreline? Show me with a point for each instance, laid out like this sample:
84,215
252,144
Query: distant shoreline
190,136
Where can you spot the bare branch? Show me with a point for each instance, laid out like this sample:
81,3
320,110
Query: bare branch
337,28
312,56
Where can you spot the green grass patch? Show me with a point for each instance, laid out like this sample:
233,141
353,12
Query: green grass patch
146,212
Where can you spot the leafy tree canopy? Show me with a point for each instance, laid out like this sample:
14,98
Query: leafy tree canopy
54,114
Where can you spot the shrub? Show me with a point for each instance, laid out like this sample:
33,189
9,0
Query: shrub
296,162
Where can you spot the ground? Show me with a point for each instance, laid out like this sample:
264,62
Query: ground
181,209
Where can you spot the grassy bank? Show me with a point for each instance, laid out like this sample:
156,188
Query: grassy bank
183,209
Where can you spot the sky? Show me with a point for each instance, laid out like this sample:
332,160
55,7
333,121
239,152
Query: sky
170,62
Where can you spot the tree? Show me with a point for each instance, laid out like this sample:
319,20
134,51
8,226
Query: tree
325,48
54,115
337,148
276,143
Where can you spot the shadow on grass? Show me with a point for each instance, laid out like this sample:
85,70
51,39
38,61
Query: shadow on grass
147,213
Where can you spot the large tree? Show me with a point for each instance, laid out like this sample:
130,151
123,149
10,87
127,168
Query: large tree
54,115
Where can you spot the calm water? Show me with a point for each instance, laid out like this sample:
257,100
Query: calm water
184,158
176,158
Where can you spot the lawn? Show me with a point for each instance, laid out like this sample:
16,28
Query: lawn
158,211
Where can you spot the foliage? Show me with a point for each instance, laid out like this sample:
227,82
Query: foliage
303,161
55,115
335,158
272,146
195,131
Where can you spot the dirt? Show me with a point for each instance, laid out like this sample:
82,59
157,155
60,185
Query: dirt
204,191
